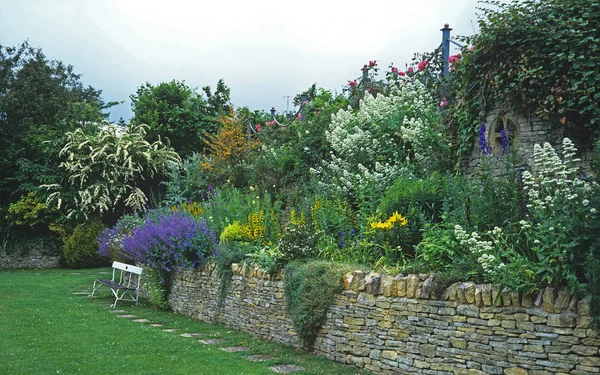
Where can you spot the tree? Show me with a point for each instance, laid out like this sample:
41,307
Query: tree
173,110
218,101
40,100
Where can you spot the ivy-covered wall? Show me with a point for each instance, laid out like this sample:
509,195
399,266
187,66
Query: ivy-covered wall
525,131
395,325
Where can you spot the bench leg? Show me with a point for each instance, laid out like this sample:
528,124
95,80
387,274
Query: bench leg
97,285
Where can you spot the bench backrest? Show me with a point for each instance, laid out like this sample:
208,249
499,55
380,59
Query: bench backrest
127,275
127,267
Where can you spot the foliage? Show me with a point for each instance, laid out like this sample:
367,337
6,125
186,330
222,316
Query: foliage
514,64
282,166
29,215
562,215
40,100
80,248
173,110
109,170
110,239
309,290
185,181
157,295
299,242
420,200
388,136
229,150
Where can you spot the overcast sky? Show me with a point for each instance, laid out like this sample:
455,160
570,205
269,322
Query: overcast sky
263,49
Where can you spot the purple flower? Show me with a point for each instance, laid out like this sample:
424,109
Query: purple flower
169,241
484,146
505,142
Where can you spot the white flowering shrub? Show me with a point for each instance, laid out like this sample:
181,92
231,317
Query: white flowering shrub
106,169
387,136
561,217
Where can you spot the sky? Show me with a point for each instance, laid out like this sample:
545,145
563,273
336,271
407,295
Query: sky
264,50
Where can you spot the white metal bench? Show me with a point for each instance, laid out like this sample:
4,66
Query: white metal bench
125,283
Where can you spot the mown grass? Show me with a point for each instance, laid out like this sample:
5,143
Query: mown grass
46,329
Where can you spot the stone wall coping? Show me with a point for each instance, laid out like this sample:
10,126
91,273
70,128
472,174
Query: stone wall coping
553,300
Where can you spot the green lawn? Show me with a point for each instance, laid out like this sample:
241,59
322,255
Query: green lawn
47,329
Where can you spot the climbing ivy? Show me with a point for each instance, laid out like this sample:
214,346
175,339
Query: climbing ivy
537,57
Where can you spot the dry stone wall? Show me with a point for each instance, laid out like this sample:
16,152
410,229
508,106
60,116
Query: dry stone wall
398,325
32,260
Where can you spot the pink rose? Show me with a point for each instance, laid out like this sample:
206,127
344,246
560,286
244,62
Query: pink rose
422,65
402,74
258,128
411,70
443,104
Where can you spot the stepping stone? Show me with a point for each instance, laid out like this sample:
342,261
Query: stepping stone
117,311
156,325
284,369
74,273
127,316
191,334
141,320
81,293
212,341
259,358
235,349
170,330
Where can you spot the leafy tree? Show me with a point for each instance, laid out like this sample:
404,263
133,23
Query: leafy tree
218,101
109,170
173,110
40,100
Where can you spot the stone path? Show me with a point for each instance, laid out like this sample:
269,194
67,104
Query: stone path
191,334
235,349
212,341
280,369
284,369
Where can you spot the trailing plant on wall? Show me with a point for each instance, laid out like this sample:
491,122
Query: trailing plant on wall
309,291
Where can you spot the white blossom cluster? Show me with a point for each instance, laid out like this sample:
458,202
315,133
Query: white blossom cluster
373,145
554,182
484,249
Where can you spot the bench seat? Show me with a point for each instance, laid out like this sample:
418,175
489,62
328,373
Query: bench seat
125,283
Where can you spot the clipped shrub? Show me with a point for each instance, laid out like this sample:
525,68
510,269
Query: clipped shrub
309,290
80,248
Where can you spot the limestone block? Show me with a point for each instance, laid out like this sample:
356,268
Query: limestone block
412,283
514,299
357,280
400,282
515,371
387,285
348,280
450,293
486,294
583,306
562,300
506,299
496,295
548,298
470,292
527,301
372,283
